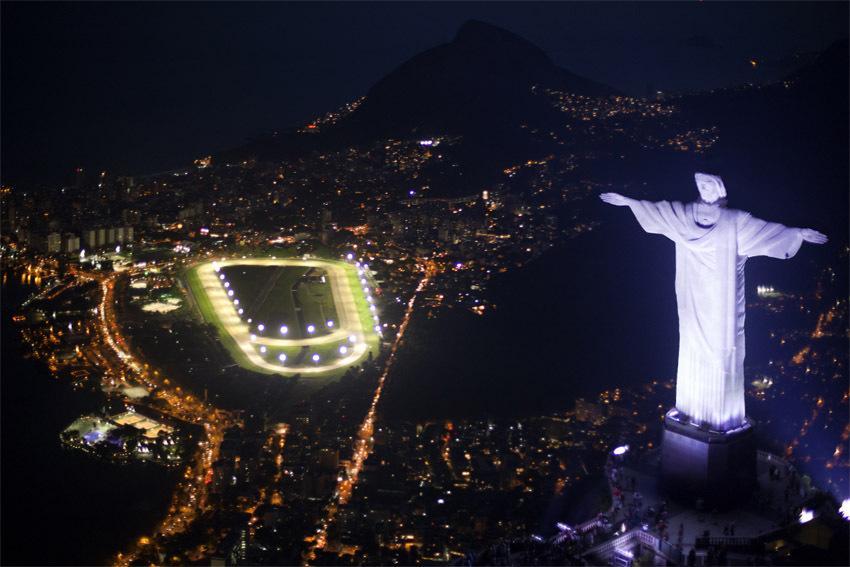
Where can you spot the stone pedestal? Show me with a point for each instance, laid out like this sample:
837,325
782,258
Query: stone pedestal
717,466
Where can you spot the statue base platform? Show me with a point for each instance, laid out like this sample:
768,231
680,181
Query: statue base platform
718,467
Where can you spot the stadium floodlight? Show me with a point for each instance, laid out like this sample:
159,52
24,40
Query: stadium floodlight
230,293
261,327
249,319
377,328
226,284
221,276
235,302
311,329
369,298
349,256
806,515
375,317
284,329
240,311
372,308
621,450
844,509
263,349
363,281
343,349
329,323
315,357
352,339
365,266
281,357
253,337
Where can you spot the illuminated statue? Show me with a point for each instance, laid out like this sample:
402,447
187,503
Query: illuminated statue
712,247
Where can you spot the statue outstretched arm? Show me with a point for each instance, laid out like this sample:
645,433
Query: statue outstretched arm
616,199
813,236
663,217
757,237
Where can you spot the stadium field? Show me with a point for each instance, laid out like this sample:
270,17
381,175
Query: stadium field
288,316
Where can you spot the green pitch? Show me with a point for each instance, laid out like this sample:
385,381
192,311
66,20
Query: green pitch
288,316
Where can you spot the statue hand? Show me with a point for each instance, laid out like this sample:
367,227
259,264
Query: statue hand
615,199
813,236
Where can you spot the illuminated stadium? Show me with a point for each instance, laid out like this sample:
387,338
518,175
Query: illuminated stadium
289,316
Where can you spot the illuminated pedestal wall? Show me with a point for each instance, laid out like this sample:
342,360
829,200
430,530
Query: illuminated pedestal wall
719,467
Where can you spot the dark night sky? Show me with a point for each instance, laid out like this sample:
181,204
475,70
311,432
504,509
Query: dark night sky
144,87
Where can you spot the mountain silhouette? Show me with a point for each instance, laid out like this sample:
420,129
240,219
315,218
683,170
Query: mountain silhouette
479,82
478,86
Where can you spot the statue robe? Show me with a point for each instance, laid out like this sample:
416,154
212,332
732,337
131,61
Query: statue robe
711,303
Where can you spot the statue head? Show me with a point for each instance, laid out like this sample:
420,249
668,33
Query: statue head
711,188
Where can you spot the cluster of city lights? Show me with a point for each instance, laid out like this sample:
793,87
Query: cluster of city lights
363,445
189,498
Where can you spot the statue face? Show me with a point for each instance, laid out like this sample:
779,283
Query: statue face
710,187
706,214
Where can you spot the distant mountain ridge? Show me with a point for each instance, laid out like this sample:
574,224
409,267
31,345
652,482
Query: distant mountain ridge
479,85
480,80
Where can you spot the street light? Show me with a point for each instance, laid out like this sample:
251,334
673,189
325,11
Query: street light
621,450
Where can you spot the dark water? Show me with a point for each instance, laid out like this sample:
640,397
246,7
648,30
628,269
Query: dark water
61,506
597,313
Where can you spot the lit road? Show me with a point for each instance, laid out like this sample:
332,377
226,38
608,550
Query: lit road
363,444
190,497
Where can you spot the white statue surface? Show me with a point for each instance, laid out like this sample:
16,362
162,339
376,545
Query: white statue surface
713,244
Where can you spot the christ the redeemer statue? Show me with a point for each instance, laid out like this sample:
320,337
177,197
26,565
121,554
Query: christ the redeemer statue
712,247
